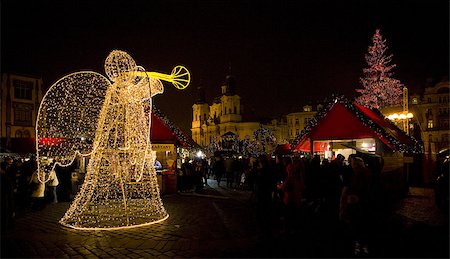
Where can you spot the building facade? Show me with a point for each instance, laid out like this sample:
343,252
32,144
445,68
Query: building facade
226,114
432,111
20,99
297,121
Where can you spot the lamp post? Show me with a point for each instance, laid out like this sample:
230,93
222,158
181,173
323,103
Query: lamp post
404,116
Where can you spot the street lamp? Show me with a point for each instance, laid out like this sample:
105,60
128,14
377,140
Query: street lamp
403,117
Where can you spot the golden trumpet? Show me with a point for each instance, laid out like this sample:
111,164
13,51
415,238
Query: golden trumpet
180,76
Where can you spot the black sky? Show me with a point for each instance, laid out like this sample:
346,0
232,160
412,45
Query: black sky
282,54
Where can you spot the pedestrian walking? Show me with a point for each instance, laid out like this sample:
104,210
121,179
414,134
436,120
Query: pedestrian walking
52,183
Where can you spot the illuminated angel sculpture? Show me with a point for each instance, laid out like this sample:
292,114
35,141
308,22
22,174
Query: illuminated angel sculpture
84,114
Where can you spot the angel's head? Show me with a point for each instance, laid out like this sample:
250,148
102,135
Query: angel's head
118,66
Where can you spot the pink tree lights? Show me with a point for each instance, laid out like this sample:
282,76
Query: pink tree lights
380,89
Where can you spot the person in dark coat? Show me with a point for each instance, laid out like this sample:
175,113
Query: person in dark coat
265,185
219,169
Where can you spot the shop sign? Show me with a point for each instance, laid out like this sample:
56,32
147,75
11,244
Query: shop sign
163,147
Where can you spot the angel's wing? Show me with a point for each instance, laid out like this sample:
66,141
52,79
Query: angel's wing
67,119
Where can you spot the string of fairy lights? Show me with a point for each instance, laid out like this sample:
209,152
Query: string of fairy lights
264,141
411,147
111,124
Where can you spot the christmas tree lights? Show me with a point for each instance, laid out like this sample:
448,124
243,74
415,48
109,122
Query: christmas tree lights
380,89
110,123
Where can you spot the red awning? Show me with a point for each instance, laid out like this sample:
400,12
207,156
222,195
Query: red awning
160,132
163,131
340,123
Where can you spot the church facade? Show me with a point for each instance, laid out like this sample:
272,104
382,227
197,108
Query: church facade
226,115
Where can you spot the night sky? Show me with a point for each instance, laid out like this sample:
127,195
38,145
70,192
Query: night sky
282,54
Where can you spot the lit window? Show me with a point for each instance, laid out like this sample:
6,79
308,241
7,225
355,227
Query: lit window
430,124
414,101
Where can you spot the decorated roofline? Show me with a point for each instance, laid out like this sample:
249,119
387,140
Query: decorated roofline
415,147
181,136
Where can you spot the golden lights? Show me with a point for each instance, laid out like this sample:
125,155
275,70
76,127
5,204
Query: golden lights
109,123
401,116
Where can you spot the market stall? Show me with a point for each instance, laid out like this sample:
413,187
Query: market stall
344,126
172,145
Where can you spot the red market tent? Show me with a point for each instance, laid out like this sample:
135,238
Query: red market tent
342,119
164,131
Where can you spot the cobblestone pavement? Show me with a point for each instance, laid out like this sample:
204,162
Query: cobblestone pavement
218,223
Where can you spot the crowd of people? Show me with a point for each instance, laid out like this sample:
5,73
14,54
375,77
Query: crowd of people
344,191
297,189
23,190
233,173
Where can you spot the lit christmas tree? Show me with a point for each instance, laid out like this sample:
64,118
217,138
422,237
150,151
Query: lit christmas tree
380,89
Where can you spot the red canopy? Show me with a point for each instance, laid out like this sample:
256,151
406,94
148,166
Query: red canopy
160,132
164,131
346,120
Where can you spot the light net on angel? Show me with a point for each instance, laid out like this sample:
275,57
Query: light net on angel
110,123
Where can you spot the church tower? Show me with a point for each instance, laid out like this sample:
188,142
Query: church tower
200,111
230,102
